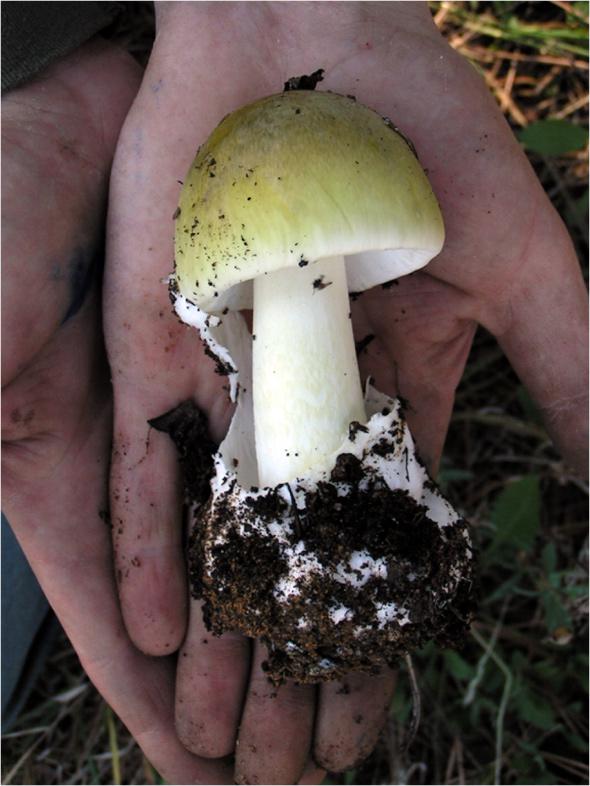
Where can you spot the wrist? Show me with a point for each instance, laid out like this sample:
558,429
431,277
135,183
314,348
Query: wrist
237,52
277,40
313,18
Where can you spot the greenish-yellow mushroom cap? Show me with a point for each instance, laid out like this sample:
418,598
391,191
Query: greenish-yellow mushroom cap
298,177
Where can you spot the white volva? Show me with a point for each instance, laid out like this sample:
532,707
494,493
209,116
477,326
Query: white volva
306,384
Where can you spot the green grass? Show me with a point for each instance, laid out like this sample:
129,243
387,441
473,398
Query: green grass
502,25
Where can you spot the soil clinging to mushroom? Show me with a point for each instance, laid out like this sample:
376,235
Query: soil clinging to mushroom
344,576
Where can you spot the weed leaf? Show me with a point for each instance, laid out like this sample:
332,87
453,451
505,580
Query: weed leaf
534,710
458,666
549,558
553,137
516,513
556,616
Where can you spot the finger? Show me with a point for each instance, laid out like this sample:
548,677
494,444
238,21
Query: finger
546,338
146,501
146,482
156,364
351,714
146,512
211,682
276,729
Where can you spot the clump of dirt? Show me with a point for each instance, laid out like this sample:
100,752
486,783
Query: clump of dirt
328,622
188,427
350,575
305,81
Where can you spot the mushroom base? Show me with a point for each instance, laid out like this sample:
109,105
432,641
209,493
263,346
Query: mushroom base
346,574
328,626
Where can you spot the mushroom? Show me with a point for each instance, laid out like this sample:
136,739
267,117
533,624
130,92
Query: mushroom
323,533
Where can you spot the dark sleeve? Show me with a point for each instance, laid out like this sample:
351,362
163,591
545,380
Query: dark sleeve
36,34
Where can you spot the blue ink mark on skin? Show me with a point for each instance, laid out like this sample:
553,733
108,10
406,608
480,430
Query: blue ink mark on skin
79,274
155,87
57,273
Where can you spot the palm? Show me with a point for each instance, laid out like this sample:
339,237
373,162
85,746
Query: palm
206,62
419,349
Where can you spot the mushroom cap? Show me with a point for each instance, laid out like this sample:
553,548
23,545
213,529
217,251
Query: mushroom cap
294,178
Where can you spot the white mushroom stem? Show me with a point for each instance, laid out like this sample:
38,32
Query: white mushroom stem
306,384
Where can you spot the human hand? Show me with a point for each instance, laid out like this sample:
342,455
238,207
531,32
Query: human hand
58,138
507,264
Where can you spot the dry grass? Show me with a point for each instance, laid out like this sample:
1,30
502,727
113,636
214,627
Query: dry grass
513,705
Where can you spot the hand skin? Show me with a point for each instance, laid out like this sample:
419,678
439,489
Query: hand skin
508,264
58,137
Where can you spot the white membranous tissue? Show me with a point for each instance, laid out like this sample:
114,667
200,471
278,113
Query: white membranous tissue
318,530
